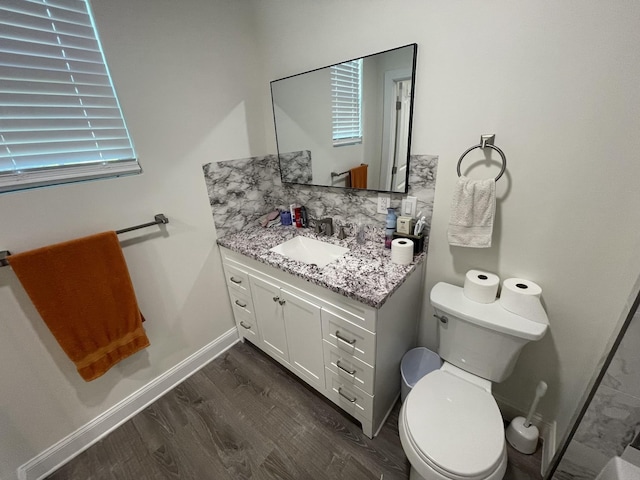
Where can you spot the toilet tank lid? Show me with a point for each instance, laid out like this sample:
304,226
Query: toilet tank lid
451,299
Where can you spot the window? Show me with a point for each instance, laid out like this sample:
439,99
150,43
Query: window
60,120
346,89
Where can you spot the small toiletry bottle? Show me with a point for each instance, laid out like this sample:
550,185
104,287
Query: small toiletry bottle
298,217
391,218
285,217
390,227
304,217
388,237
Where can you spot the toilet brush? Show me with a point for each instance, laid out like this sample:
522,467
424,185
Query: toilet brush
521,434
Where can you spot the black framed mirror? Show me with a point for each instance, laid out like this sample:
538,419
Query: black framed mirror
349,124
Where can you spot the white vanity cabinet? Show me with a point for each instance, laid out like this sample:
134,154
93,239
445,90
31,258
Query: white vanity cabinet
348,351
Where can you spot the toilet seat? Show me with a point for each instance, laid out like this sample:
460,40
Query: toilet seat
454,427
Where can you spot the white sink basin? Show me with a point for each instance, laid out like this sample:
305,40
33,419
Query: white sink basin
308,250
619,469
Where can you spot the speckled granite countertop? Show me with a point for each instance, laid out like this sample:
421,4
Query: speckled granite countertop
365,274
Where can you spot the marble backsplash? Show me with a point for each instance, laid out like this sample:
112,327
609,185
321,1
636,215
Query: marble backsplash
241,191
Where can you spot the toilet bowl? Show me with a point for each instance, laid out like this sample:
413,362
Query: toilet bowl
451,428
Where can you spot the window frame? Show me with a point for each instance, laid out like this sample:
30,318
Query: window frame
60,117
346,103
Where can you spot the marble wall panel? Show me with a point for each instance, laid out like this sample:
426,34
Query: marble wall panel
236,189
612,420
623,373
240,191
610,423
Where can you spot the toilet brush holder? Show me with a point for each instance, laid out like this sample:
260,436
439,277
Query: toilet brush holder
521,434
522,438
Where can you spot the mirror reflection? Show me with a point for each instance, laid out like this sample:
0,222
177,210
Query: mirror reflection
348,125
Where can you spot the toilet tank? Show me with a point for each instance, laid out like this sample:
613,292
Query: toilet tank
483,339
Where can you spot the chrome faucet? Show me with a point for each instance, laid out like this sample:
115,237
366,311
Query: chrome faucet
324,226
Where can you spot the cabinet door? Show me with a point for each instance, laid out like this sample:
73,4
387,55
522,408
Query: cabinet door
268,311
304,335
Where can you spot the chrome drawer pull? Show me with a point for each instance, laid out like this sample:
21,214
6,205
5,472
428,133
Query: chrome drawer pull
352,400
248,327
243,305
275,299
281,302
340,337
237,282
350,372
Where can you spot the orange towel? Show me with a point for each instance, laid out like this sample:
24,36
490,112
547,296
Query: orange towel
358,176
83,292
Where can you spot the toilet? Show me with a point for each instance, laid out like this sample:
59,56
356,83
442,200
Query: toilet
450,425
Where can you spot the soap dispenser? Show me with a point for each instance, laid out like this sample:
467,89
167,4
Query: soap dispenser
390,227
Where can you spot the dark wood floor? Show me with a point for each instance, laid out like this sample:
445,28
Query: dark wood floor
245,416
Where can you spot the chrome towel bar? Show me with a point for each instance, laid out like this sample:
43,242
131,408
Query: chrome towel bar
159,219
334,174
486,141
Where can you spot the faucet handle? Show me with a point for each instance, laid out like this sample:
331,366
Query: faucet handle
328,226
341,234
317,226
313,222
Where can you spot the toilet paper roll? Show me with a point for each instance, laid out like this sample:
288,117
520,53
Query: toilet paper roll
481,287
402,251
522,297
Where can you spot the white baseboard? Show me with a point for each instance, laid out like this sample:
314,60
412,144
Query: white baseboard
549,447
69,447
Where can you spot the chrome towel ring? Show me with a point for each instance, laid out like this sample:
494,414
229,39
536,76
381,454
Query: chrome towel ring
486,141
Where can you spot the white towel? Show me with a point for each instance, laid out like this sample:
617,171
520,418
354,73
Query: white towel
472,210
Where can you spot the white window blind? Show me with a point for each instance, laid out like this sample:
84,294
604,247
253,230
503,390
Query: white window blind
60,120
346,89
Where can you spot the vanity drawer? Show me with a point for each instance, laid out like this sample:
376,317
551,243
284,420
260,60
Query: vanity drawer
349,368
357,316
348,397
349,338
241,303
237,279
247,327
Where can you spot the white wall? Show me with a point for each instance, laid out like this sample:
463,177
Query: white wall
557,82
185,75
